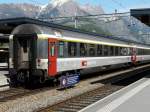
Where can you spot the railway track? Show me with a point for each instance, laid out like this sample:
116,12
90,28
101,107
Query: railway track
77,103
14,93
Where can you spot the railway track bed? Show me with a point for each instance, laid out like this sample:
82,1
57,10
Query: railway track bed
4,85
45,98
76,104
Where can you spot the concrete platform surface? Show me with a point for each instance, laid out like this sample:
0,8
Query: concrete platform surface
133,98
3,65
4,85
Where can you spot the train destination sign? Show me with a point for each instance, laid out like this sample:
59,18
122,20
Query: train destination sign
68,81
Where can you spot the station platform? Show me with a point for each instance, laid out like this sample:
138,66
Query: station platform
3,65
4,85
133,98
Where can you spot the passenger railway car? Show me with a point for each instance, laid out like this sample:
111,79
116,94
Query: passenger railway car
40,52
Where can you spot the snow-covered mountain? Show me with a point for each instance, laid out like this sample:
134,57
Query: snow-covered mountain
69,8
120,27
93,9
53,9
59,2
18,10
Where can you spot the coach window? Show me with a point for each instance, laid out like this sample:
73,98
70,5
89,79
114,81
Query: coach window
144,51
83,49
116,51
42,46
91,50
140,51
111,50
105,50
72,49
99,50
147,52
61,49
128,51
123,51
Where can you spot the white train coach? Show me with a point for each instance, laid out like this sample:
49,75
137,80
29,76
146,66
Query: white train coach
42,52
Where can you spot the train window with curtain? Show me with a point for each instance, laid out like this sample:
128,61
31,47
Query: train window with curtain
140,52
124,51
116,51
72,49
111,50
83,49
144,51
148,52
99,50
61,49
106,50
91,50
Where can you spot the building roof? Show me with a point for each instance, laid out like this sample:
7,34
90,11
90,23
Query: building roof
140,11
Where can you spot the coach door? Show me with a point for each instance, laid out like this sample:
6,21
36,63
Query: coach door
133,55
52,57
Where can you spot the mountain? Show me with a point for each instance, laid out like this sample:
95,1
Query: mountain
93,9
18,10
59,2
69,8
54,9
120,27
66,9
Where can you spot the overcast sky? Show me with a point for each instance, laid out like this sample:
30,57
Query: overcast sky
109,6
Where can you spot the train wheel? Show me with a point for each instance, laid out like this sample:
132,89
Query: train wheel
23,78
42,80
13,81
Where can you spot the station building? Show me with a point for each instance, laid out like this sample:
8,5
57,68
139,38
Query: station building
142,14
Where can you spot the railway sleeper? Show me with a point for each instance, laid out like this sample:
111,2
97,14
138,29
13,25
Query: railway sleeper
71,106
82,102
66,110
77,104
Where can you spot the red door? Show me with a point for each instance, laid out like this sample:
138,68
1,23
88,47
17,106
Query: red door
133,55
52,57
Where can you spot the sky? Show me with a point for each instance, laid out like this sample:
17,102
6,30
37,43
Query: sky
109,6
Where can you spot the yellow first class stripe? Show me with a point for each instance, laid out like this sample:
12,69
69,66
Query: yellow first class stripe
82,41
68,39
